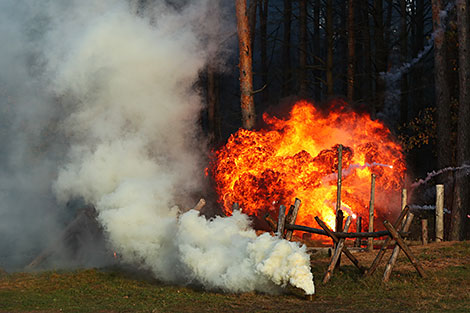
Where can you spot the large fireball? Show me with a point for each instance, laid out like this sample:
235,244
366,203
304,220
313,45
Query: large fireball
297,157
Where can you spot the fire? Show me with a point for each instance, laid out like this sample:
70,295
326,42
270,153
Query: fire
298,157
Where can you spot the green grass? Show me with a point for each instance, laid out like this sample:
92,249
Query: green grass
445,289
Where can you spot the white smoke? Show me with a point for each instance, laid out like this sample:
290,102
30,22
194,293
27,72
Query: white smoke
125,84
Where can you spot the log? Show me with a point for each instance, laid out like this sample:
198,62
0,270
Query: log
370,244
291,217
281,221
335,239
405,249
376,234
396,251
388,241
439,213
335,258
424,231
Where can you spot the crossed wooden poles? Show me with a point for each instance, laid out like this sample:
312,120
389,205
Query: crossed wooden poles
395,232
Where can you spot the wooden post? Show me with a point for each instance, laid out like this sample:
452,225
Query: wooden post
396,251
281,220
424,231
405,248
370,243
439,213
336,254
338,186
291,217
357,242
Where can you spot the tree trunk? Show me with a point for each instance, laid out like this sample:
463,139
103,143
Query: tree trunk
367,80
317,47
303,82
329,47
246,75
263,26
461,196
380,55
444,155
418,41
403,58
286,72
351,52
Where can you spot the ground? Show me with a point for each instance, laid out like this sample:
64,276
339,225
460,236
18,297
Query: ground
445,289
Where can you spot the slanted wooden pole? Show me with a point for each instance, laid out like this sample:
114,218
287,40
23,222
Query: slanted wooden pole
424,231
271,222
439,213
200,205
281,221
336,254
396,251
291,217
370,243
401,243
382,250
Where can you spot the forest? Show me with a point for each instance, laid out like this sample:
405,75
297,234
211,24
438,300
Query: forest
404,62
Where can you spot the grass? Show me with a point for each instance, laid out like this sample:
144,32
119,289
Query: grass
445,289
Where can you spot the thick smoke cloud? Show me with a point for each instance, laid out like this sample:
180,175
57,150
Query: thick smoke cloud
105,113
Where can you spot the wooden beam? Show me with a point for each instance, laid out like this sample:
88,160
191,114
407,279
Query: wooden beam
317,231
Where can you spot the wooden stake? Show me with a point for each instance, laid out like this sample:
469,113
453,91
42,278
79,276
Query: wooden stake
405,249
335,239
424,231
291,217
388,241
338,186
439,213
370,244
396,251
336,254
281,220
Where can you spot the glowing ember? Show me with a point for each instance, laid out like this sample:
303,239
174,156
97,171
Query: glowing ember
297,157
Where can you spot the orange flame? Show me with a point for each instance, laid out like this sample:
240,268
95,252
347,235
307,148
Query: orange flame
298,157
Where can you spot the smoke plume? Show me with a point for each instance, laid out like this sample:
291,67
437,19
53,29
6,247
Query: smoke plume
115,86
